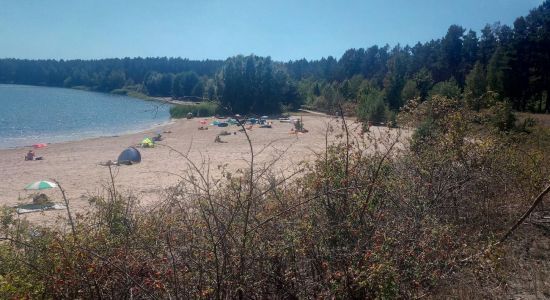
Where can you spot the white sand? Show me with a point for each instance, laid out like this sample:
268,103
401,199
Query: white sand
75,164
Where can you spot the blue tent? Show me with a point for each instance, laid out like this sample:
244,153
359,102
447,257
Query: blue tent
129,156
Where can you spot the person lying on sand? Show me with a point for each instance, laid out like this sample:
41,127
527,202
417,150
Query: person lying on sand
157,138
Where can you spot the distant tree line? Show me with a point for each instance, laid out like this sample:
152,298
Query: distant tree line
155,76
502,63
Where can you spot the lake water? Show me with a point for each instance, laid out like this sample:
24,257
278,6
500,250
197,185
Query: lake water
30,115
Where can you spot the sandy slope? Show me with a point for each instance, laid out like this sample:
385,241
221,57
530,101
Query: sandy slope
75,164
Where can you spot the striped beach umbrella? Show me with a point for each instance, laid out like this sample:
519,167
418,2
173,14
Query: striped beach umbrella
41,185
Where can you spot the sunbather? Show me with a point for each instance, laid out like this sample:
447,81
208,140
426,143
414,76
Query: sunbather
157,138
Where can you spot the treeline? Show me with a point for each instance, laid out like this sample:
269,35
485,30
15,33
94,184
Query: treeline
156,74
508,63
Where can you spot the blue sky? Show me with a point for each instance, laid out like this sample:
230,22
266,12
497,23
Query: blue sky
203,29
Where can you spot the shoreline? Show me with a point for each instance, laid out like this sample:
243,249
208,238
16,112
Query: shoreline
66,137
84,138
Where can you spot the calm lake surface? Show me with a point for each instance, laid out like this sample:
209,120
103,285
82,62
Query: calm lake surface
30,115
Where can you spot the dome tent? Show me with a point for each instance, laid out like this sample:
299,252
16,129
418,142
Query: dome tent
129,156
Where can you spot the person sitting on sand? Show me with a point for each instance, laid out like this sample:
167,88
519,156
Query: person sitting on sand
30,155
218,139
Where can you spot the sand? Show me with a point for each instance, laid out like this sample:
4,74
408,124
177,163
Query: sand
75,165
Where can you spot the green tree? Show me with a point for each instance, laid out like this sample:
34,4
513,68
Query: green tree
497,71
253,84
470,50
395,79
449,89
115,80
187,84
452,51
198,89
476,86
487,44
424,82
158,84
476,83
372,107
317,89
410,91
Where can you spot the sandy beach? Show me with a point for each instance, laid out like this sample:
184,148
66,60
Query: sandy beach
76,164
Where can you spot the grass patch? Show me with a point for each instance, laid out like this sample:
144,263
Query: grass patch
132,93
203,109
139,95
81,88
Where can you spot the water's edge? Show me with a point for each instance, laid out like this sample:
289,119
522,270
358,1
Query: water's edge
77,137
85,138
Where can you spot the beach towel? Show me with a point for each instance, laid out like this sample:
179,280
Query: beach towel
30,208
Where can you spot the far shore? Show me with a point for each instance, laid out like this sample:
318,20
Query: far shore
76,164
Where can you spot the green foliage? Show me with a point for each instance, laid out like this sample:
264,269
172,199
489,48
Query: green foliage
395,80
449,89
115,80
410,91
425,133
202,109
187,84
424,82
476,87
255,84
452,51
497,72
502,116
329,99
123,92
158,84
372,107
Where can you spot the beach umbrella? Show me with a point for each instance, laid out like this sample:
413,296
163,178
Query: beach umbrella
38,146
41,185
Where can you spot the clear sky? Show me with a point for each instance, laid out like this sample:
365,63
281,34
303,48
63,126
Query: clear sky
200,29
